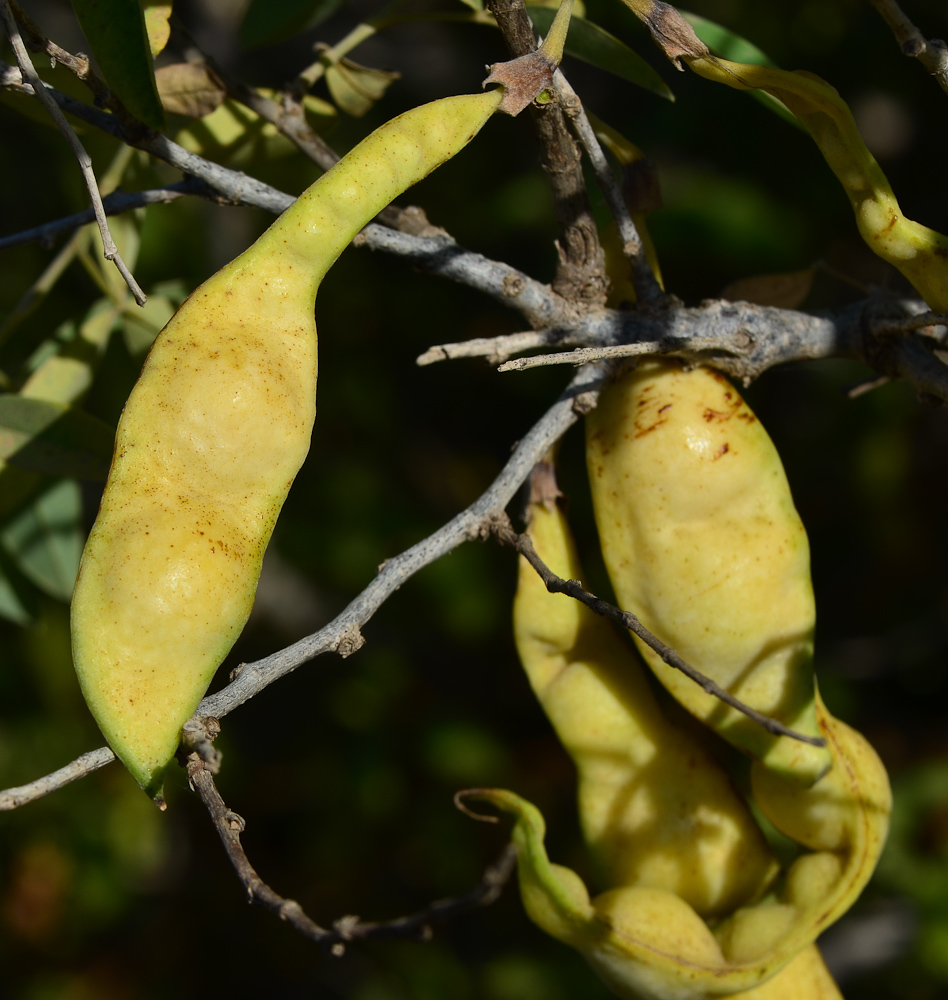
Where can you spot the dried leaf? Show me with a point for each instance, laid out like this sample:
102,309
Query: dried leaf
669,30
189,89
523,80
785,291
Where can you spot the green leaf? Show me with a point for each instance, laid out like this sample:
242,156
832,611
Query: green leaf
270,21
594,45
115,30
62,367
729,45
726,43
52,439
141,325
18,597
45,539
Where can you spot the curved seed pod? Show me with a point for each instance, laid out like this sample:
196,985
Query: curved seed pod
920,253
211,438
656,809
703,544
646,943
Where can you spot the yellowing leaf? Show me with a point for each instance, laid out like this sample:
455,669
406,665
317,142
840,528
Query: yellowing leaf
157,26
356,88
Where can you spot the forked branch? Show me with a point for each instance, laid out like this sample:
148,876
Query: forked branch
349,929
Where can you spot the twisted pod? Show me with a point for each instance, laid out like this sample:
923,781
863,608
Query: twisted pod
656,809
696,907
211,438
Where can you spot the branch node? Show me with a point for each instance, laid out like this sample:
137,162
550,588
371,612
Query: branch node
585,402
493,522
346,926
513,285
197,736
351,641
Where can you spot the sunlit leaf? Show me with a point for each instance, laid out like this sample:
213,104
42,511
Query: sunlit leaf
594,45
45,539
236,136
53,439
157,23
115,30
270,21
62,368
356,88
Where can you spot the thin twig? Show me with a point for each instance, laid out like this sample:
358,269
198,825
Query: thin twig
580,276
13,798
415,927
78,65
85,161
868,386
495,349
572,588
114,204
932,54
908,324
343,635
647,288
750,338
582,356
289,118
771,336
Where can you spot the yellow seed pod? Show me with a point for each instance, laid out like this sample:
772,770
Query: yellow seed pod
211,438
648,943
920,253
656,808
702,542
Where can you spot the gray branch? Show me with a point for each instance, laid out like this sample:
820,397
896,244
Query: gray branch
931,53
343,635
114,204
13,798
